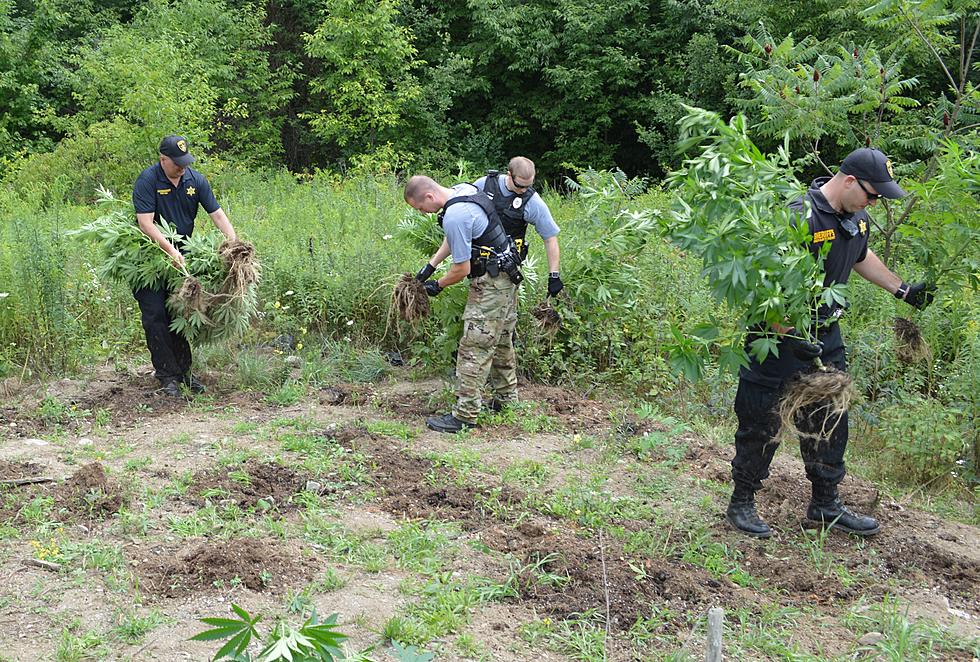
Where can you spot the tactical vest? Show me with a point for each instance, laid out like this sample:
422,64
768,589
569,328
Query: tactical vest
510,210
492,248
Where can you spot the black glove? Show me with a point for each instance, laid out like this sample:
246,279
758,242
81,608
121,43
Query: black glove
805,351
554,285
920,295
432,288
425,272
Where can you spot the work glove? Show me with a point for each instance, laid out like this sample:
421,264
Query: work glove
805,351
554,285
425,272
920,295
432,288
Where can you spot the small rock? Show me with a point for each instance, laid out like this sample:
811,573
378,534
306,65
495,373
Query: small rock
293,361
35,442
313,486
85,441
871,639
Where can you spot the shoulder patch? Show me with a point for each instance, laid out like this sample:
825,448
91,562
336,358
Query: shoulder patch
163,191
824,235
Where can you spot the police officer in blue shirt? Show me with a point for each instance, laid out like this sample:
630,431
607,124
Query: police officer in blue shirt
518,205
172,191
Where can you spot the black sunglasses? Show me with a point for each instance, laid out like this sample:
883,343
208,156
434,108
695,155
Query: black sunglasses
871,196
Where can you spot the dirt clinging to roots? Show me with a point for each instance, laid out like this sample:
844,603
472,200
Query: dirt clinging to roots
546,317
820,397
909,344
410,299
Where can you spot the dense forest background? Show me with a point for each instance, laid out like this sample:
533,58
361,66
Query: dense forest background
87,87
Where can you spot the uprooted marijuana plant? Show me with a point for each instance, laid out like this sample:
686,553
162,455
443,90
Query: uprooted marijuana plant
731,209
214,296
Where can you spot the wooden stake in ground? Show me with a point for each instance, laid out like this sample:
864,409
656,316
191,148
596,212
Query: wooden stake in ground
715,626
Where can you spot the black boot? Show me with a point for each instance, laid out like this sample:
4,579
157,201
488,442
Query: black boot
742,515
827,510
170,387
447,423
194,384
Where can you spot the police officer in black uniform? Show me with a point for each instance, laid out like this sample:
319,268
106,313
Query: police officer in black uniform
838,216
172,191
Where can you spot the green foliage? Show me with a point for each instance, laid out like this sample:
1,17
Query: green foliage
366,79
315,640
131,257
731,210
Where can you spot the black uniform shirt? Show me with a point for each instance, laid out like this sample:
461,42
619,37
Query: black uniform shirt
154,193
848,236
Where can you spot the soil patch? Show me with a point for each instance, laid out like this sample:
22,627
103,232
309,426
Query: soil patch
256,564
563,572
246,484
11,470
89,494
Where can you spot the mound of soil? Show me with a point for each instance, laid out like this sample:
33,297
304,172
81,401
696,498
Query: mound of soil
256,564
10,470
246,484
89,494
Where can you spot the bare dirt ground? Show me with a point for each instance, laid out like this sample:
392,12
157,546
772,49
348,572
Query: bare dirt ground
164,511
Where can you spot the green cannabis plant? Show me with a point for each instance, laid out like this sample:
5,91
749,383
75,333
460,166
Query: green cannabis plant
214,296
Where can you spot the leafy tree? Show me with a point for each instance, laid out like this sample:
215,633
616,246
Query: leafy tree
366,83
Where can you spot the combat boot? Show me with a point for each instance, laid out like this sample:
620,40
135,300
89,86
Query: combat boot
826,510
447,423
741,514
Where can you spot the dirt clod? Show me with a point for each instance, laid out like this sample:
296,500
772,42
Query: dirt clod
89,494
546,317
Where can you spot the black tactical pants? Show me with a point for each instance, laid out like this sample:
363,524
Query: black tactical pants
169,351
758,426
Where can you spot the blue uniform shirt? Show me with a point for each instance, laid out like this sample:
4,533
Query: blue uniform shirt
536,212
462,223
154,193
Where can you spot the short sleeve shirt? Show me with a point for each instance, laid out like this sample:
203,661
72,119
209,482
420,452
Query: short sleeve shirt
536,212
154,193
462,222
848,238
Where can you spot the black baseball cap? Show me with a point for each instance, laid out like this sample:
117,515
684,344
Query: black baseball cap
873,166
175,147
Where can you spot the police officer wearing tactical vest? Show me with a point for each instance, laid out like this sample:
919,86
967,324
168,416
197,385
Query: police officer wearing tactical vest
172,191
838,217
518,205
482,251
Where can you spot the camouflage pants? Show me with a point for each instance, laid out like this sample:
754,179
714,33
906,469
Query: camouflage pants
486,349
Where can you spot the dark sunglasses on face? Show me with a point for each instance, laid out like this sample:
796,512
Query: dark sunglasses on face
871,196
516,183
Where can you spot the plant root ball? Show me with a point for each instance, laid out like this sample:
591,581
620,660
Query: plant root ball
243,269
191,297
411,299
546,317
819,398
909,344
